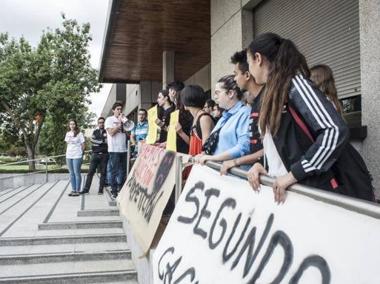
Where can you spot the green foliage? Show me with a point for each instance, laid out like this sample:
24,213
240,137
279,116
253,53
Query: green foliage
52,81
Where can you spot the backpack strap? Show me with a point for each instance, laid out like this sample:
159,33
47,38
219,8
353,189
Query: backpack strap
300,123
298,120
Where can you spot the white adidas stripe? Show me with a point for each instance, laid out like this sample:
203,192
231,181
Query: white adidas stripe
317,117
324,120
328,147
335,127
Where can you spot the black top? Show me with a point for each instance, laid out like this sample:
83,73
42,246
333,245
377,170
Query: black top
197,126
186,121
254,134
99,141
164,116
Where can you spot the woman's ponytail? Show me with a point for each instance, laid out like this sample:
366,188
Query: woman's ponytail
285,62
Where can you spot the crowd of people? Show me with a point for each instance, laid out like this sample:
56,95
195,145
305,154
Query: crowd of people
273,115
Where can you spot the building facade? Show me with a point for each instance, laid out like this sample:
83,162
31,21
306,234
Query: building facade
193,41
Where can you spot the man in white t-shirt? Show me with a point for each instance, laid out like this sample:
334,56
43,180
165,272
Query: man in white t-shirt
117,148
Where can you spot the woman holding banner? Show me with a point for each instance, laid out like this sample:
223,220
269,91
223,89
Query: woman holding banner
303,134
185,119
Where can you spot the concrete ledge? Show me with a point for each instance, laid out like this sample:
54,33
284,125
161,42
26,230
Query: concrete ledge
80,225
15,180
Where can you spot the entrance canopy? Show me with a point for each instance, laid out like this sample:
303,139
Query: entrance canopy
138,31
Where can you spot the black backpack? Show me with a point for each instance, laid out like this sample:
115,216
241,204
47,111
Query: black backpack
349,170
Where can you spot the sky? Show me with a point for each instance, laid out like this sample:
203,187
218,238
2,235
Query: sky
29,18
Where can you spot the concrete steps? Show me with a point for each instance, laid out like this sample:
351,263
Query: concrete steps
34,258
71,239
115,276
63,248
8,190
98,212
80,232
48,237
80,225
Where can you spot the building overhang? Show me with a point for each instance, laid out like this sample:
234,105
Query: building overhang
138,31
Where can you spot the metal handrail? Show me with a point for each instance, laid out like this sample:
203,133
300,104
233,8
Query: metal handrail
46,170
360,206
37,159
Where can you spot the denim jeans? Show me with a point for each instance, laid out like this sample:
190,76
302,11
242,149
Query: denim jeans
74,170
109,175
118,162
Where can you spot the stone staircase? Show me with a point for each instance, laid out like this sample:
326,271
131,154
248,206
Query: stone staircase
47,236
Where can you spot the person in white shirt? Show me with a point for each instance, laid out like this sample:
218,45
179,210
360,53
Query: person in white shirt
117,148
74,153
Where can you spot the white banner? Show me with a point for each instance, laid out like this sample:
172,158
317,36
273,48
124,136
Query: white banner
146,192
223,232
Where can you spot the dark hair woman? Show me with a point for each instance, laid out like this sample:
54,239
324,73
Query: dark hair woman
193,98
291,156
323,78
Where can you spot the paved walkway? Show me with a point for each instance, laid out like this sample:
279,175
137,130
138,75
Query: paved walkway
47,236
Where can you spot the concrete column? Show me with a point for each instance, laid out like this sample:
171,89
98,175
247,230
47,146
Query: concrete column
121,92
247,27
149,91
369,15
167,67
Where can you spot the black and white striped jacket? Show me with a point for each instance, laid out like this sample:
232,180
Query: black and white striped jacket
325,124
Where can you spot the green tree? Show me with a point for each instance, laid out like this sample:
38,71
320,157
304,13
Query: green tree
51,81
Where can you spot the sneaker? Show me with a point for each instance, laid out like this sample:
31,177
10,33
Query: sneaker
113,196
75,194
83,192
100,192
71,193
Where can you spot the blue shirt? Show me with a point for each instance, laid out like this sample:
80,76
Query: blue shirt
234,131
140,131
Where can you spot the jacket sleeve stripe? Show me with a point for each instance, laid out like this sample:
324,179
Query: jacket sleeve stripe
334,130
322,150
330,137
307,166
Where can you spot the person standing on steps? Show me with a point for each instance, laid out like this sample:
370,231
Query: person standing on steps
117,148
74,155
99,157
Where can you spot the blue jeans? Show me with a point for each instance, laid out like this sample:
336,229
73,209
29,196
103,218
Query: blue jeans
74,170
109,174
118,162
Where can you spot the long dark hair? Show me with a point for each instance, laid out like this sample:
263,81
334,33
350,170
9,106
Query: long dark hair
323,78
76,129
285,62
